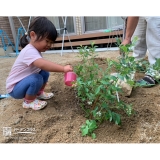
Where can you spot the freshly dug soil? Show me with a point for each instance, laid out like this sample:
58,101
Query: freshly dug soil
60,121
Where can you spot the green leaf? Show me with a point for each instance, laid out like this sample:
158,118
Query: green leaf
104,105
124,48
87,122
85,131
89,82
118,41
93,135
131,83
157,64
110,115
95,111
120,77
98,89
86,89
113,77
92,125
117,119
105,82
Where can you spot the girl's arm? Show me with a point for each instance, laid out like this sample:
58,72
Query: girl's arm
50,66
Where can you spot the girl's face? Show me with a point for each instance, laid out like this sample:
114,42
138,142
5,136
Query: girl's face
42,45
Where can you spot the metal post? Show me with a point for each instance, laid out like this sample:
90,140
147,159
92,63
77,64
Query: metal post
64,32
12,29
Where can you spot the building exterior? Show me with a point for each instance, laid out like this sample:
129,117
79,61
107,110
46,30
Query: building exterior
77,27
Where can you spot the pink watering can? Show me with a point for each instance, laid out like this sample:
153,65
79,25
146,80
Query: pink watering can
69,77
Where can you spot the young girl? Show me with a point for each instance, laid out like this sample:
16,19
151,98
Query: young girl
30,72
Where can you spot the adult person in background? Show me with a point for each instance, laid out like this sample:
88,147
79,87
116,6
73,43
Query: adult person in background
147,29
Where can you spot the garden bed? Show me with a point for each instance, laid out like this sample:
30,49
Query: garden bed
61,120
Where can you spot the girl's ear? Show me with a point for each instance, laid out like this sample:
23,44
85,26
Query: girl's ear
33,35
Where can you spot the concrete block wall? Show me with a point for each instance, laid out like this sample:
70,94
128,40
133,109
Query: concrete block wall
5,25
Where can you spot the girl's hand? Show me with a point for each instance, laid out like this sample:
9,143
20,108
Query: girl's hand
68,68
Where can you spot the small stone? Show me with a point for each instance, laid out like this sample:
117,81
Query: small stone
17,121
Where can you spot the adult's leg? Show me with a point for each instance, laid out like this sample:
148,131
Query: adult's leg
140,48
153,38
153,44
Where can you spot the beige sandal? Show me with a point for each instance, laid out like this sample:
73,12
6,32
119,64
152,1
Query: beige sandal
35,105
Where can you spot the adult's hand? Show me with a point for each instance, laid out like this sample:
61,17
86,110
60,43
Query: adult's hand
130,28
126,41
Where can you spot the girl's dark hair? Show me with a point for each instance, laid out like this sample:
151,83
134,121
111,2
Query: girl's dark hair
43,28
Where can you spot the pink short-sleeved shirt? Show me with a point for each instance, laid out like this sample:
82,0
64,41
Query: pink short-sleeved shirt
23,66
